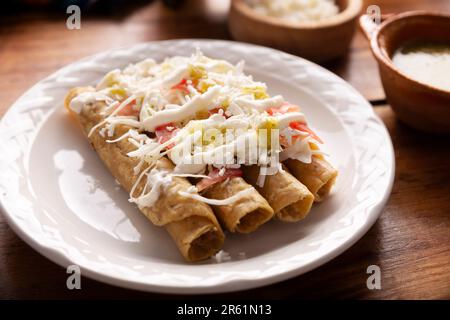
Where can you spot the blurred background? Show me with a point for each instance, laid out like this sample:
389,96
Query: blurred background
34,40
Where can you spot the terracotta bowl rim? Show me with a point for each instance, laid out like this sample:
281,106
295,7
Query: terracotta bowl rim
382,56
351,12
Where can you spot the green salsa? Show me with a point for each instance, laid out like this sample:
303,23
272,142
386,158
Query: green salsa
428,63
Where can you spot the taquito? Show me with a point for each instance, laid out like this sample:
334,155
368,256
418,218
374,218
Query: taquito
288,197
149,121
191,223
318,176
244,215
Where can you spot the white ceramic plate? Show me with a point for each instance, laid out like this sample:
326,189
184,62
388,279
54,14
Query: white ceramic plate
58,196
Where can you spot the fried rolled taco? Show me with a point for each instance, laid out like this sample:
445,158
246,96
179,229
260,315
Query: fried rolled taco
245,214
191,223
191,138
289,198
318,176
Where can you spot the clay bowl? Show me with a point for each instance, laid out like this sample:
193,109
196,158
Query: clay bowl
316,41
419,105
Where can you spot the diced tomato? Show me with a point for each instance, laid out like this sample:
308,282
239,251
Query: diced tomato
284,108
182,86
216,110
304,127
165,132
129,110
214,177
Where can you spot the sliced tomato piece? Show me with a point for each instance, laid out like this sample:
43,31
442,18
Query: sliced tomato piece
129,110
182,86
304,127
214,177
284,108
165,132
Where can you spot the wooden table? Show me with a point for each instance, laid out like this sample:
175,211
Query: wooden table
410,242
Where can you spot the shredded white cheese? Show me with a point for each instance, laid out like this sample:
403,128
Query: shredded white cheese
204,113
155,183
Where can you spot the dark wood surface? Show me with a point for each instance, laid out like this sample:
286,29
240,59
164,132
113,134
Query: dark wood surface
410,242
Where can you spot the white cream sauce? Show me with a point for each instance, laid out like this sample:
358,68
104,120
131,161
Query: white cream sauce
426,63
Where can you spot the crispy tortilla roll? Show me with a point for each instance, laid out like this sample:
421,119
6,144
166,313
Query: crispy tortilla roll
191,223
289,198
244,215
318,176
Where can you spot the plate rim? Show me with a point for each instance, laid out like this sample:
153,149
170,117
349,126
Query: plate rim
228,285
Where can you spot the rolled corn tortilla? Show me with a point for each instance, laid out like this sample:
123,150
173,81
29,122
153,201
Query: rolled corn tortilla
289,198
191,223
244,215
318,176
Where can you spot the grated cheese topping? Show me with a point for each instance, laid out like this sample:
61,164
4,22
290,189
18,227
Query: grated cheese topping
202,113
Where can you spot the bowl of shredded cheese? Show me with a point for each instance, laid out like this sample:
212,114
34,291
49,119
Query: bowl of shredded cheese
318,30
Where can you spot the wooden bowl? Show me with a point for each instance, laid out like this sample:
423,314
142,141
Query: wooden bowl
316,41
421,106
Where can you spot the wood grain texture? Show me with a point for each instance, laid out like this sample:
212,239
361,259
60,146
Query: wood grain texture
410,241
